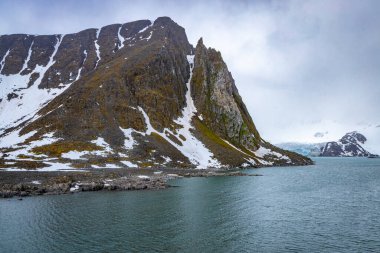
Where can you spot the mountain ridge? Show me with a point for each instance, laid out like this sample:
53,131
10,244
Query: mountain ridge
126,95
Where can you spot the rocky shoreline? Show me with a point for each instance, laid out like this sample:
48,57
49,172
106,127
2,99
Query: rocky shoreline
31,183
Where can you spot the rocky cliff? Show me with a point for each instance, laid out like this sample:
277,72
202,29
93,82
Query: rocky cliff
125,95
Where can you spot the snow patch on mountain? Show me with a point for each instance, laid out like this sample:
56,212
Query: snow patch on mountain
263,152
74,155
52,166
121,38
14,140
129,142
192,148
25,66
106,166
80,70
97,47
167,159
100,142
28,101
234,147
129,164
146,28
147,38
2,63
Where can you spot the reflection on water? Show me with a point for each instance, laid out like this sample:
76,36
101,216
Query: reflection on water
333,206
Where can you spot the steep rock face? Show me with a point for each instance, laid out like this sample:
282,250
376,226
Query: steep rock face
218,101
125,95
349,145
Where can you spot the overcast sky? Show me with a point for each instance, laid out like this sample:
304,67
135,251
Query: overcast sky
301,66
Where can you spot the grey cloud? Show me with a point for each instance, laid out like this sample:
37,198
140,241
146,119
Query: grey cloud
296,63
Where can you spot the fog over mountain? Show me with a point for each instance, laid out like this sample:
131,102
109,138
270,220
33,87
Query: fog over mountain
302,67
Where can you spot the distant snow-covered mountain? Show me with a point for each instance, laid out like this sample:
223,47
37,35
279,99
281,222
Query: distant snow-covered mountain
350,145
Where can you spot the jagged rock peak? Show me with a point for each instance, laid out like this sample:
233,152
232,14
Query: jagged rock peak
164,21
200,42
353,137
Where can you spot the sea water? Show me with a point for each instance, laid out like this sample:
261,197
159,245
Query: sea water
332,206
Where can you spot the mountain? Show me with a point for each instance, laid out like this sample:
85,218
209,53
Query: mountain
351,144
125,95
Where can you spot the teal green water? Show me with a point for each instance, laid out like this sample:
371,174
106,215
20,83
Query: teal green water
333,206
